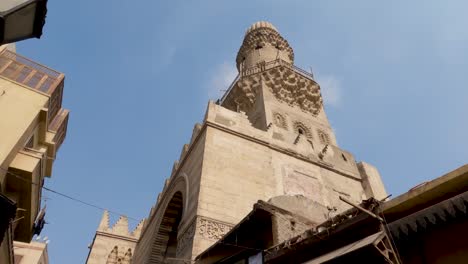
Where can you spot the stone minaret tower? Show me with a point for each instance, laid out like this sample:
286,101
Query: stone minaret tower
113,245
267,139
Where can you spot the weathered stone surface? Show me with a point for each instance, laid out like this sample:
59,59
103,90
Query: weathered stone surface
302,206
269,139
114,244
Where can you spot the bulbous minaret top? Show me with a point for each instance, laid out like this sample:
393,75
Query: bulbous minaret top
263,43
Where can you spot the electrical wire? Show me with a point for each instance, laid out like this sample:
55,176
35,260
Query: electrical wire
68,196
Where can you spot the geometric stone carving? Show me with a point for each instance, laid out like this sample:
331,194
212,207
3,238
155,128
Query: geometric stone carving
185,240
116,257
114,244
121,226
243,95
323,136
294,89
112,258
137,231
302,129
259,37
286,85
279,120
211,229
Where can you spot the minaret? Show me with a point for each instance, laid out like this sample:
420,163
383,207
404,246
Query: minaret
272,91
267,139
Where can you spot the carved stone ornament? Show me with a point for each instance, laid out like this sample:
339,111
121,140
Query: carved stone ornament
305,130
280,120
260,37
323,136
185,239
286,85
293,89
212,230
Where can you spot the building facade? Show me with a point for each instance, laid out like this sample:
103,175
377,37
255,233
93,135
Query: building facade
113,244
267,139
33,126
31,253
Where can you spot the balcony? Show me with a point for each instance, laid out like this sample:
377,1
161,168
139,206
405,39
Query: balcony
34,76
275,63
58,127
266,66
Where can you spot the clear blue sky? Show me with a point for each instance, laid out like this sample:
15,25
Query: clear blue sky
139,75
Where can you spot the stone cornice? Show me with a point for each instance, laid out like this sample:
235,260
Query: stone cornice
117,236
321,164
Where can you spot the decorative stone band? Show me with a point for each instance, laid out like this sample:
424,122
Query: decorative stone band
185,240
285,83
207,228
212,229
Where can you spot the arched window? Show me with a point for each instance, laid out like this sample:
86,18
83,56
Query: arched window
323,136
302,130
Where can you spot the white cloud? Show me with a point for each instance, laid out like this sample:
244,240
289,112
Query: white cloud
331,90
220,80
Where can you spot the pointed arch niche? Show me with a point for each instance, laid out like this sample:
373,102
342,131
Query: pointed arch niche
165,244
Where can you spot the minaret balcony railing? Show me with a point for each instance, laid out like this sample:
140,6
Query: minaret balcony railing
272,64
34,76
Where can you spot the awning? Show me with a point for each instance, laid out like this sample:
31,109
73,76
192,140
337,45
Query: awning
438,214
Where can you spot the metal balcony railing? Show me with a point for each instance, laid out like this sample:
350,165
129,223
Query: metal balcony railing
34,76
275,63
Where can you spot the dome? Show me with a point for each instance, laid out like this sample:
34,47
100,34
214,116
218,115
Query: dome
260,24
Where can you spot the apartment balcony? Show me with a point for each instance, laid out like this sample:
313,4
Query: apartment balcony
48,82
34,131
56,133
34,76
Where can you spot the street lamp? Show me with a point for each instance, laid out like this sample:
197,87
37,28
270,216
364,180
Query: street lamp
21,19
